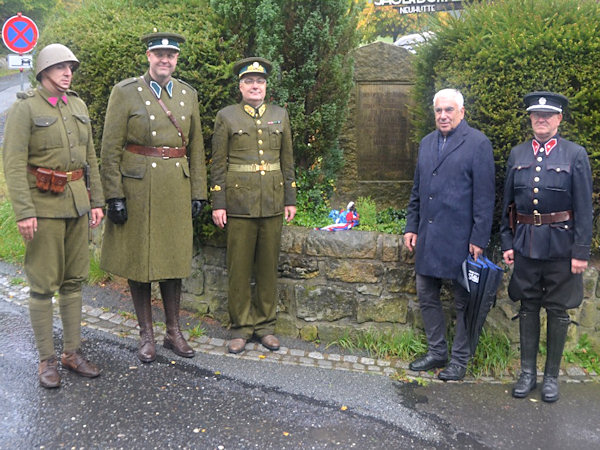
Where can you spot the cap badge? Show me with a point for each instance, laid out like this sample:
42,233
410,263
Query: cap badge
542,100
165,42
256,65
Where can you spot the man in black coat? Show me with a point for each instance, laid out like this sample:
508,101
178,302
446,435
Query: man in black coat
547,235
449,216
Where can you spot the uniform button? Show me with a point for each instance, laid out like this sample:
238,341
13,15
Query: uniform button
535,211
64,118
260,142
566,227
540,159
262,163
558,169
538,169
430,220
153,164
154,133
434,174
152,117
259,131
536,190
177,164
431,197
237,185
262,172
148,102
535,201
240,132
536,179
140,88
518,167
258,122
182,117
182,104
183,91
260,152
69,132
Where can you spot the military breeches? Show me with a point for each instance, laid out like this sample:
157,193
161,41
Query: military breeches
253,250
57,259
550,282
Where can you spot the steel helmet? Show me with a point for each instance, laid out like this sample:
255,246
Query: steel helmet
53,54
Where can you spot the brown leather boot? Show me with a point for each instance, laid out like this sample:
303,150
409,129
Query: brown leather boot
78,364
48,373
174,340
140,294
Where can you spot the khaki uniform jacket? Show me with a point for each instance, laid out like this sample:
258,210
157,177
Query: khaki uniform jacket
241,139
54,137
156,241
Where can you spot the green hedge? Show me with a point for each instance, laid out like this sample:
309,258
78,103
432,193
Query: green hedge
105,37
496,52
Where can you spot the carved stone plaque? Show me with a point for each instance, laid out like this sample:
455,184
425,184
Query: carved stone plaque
384,149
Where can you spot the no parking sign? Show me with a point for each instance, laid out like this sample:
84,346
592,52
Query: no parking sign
20,34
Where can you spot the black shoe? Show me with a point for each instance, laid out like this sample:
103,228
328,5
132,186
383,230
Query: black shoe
550,389
425,363
453,372
526,383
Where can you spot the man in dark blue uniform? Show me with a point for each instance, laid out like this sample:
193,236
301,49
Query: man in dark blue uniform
547,235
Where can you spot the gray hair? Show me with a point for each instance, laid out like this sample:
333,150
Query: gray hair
452,93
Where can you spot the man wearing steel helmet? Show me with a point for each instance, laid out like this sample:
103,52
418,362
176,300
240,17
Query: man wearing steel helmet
547,236
47,147
154,176
252,188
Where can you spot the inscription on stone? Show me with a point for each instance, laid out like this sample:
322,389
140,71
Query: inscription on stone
385,152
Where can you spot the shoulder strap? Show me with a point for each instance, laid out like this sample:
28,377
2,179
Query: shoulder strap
169,113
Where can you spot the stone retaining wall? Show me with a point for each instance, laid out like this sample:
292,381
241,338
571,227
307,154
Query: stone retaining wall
333,282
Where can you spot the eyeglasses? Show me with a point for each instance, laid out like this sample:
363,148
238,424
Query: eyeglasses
250,81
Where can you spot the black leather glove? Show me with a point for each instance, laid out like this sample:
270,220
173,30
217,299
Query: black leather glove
117,211
197,207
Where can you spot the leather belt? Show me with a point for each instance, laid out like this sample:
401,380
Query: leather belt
544,219
162,152
267,167
72,175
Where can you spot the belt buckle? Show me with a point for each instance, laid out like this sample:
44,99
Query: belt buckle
537,219
69,176
164,149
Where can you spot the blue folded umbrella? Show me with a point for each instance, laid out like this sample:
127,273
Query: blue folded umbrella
481,279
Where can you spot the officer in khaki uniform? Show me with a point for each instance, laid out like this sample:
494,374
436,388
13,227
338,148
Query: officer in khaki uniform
48,154
252,187
547,236
154,176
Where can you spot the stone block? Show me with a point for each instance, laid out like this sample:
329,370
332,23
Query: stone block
286,325
218,308
297,266
589,315
350,271
346,244
332,331
374,290
309,333
194,284
590,279
212,256
293,238
216,279
384,309
194,303
401,280
391,245
315,302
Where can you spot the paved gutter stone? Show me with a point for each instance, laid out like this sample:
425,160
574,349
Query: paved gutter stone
112,322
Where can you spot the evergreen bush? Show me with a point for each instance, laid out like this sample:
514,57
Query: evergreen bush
495,52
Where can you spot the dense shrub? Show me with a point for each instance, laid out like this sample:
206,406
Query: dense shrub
105,37
496,52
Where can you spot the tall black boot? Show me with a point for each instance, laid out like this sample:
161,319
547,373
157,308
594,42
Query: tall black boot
556,337
529,332
174,340
140,294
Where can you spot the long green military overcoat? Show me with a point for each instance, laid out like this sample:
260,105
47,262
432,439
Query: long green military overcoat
156,241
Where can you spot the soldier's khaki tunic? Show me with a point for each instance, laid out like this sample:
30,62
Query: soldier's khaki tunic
59,137
156,241
254,199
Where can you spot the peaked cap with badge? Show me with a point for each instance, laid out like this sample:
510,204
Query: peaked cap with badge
252,65
167,40
545,101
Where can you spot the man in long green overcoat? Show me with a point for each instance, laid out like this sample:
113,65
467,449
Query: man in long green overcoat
253,186
48,148
154,175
